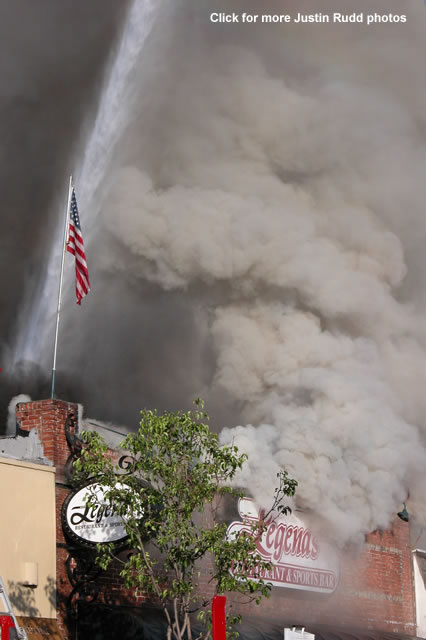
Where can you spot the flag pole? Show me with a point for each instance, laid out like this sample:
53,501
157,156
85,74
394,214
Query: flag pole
58,311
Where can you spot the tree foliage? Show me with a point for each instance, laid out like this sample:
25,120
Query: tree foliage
168,498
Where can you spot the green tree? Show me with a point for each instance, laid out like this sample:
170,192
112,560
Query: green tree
177,471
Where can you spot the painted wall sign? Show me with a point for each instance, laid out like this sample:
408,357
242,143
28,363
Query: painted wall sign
299,559
92,523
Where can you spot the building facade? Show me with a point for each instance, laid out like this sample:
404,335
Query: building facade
376,591
27,552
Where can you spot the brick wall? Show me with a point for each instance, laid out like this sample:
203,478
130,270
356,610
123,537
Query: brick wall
376,583
375,589
48,417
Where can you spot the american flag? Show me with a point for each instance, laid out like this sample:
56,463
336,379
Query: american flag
76,247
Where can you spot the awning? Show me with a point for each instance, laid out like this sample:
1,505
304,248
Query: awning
40,628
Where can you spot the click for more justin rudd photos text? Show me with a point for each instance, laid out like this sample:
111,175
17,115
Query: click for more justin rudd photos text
299,18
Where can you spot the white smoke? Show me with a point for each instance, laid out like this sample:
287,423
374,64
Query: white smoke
287,192
284,176
11,412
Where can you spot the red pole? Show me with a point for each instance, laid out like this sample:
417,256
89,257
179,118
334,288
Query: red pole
6,623
218,618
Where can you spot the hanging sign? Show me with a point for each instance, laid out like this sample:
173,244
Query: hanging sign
299,559
90,519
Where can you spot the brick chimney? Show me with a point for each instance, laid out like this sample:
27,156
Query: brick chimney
48,417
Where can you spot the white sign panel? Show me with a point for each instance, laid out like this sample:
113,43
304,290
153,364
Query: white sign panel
90,517
300,560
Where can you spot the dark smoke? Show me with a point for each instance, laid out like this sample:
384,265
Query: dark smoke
51,60
131,347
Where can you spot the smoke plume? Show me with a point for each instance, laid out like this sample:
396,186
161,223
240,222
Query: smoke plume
11,418
51,58
262,242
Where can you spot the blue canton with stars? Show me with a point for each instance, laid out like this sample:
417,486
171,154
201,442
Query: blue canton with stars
74,211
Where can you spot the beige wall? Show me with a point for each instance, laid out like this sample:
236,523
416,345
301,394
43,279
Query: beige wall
28,536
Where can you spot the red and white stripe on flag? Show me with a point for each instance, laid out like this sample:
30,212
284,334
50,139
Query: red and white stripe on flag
75,246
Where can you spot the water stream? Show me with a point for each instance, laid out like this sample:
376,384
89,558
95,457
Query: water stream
117,101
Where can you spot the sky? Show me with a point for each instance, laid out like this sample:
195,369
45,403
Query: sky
252,202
